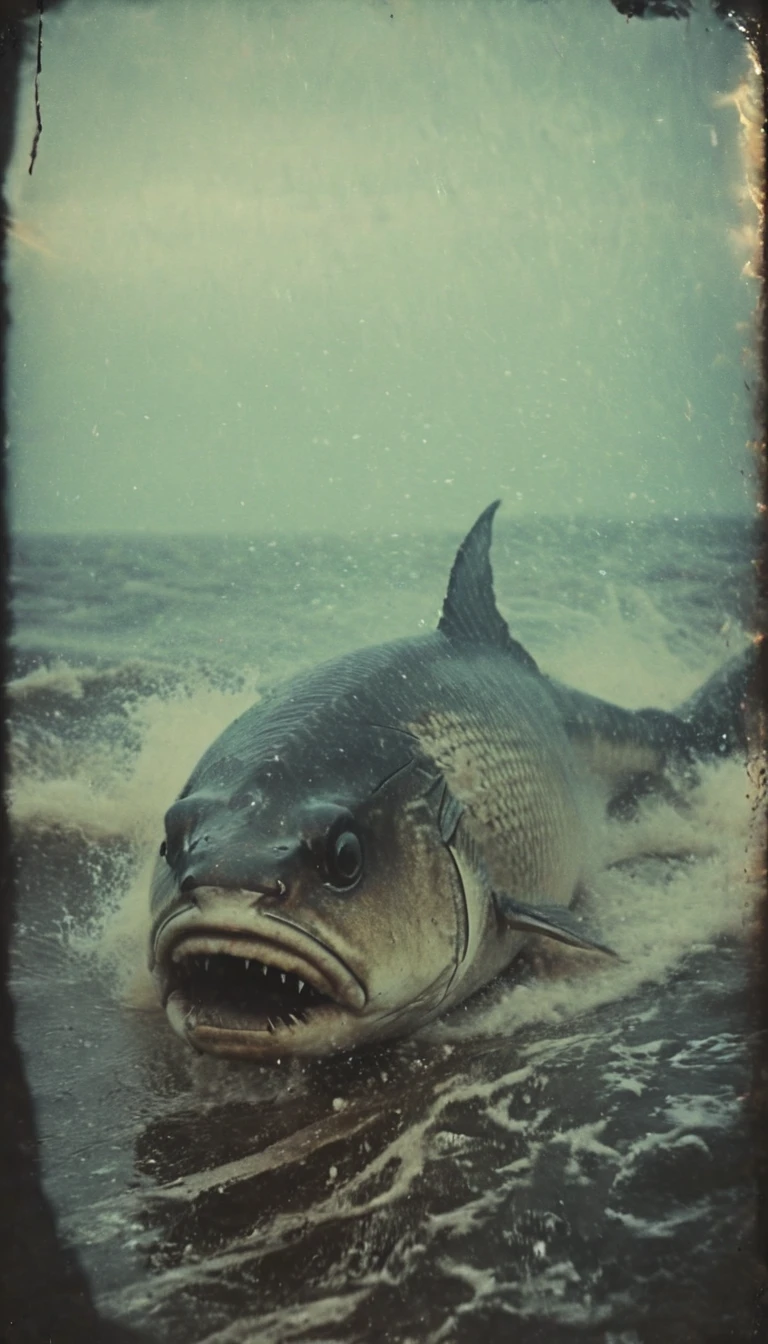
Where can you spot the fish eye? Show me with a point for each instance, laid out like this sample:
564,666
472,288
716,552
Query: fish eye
344,859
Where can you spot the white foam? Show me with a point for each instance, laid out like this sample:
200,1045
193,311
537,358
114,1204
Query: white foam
102,795
652,914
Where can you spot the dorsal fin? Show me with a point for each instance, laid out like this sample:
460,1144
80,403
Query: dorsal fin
469,613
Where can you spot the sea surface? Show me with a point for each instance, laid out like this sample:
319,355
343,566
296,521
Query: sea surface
565,1158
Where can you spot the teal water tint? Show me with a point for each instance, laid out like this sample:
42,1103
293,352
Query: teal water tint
280,603
566,1156
313,266
298,289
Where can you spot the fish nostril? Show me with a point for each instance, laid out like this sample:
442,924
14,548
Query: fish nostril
270,891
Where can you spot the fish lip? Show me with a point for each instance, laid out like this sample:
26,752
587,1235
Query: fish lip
229,926
327,1028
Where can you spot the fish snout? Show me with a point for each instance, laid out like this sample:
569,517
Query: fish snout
198,884
217,851
209,870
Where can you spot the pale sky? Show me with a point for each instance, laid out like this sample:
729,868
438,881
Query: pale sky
332,264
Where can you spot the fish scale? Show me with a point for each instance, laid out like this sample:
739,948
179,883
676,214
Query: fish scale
391,826
521,800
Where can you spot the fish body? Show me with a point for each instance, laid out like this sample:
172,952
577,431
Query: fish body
373,841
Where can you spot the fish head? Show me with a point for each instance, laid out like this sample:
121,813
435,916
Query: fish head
295,919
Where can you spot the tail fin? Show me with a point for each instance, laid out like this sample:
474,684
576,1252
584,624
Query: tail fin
717,713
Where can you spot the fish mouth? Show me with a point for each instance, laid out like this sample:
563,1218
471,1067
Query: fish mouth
257,990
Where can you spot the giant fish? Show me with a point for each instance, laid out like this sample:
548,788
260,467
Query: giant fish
374,840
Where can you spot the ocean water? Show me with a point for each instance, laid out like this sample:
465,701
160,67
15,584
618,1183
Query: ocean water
566,1157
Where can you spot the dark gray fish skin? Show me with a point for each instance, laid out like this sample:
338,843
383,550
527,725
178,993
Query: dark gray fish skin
372,842
717,713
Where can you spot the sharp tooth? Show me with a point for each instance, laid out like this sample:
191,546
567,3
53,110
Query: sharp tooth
247,962
301,985
207,962
264,969
294,1019
282,976
270,1024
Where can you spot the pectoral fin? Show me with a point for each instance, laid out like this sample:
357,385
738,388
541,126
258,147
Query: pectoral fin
553,921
